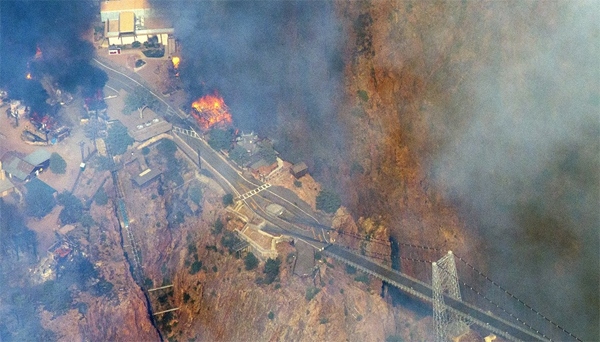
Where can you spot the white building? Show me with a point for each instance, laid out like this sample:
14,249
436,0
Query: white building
128,21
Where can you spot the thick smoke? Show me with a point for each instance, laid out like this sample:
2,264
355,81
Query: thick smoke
57,29
277,65
526,167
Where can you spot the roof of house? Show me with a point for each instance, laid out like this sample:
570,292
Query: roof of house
126,22
16,166
5,184
37,182
123,5
299,167
38,157
146,176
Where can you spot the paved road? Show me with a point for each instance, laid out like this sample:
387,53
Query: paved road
231,178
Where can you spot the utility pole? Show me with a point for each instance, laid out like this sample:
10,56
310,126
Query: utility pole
448,325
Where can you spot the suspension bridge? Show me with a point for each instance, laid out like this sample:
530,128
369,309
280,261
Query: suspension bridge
458,300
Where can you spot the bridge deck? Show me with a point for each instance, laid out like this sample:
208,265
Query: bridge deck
425,292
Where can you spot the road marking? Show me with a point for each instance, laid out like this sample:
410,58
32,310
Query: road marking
253,192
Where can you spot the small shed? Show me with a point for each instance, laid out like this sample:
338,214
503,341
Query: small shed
299,170
146,176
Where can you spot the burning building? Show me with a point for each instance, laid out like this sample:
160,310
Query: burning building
210,111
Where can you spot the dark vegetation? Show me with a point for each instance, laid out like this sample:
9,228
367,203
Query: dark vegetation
137,99
57,164
250,261
220,139
73,208
101,198
227,199
239,155
167,149
118,139
328,201
39,199
15,238
271,270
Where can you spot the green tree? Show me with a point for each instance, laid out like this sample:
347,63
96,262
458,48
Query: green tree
311,292
73,209
118,139
271,315
146,151
219,139
196,194
228,199
167,147
137,99
271,270
250,261
101,198
136,44
239,155
217,227
57,164
328,201
268,154
39,200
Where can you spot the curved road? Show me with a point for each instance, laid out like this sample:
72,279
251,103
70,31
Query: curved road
234,180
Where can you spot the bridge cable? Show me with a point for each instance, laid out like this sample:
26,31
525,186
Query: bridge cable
518,299
496,304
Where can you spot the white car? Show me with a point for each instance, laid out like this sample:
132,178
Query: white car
140,126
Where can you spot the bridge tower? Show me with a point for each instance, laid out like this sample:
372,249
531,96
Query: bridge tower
448,324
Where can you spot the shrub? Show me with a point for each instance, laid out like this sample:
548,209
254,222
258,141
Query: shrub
363,95
196,267
271,315
228,199
271,270
57,164
136,45
363,278
196,194
101,198
324,321
350,269
250,261
311,292
217,227
146,151
297,183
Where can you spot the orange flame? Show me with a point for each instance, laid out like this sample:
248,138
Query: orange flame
28,76
211,110
175,61
38,52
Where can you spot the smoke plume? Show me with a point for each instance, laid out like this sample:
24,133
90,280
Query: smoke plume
525,167
55,31
276,64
